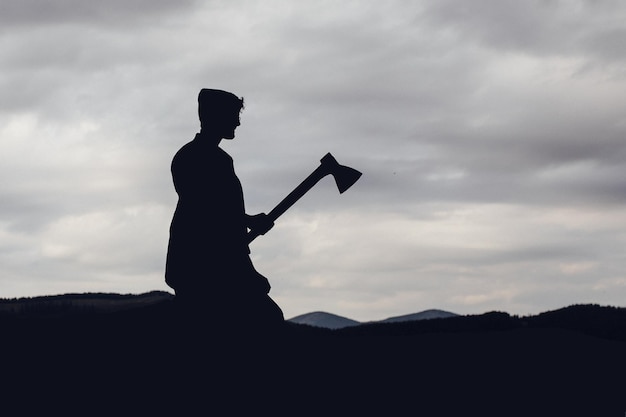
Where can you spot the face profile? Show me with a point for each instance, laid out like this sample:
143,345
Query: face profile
226,127
219,111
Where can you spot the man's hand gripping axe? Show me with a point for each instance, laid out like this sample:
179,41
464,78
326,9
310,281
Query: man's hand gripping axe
344,176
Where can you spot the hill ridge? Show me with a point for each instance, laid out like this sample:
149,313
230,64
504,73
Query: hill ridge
333,321
607,322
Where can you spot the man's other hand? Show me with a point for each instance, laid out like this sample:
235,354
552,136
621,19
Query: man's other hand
260,223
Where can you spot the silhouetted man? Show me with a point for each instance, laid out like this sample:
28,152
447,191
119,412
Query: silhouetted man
208,259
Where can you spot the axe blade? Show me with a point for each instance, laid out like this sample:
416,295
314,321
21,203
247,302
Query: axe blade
345,177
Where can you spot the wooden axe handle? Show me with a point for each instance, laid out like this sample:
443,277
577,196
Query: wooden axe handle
319,173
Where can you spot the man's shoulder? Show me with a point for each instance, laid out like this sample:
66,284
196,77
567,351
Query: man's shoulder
192,148
196,150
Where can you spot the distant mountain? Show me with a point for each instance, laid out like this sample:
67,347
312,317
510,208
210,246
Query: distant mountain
424,315
326,320
333,321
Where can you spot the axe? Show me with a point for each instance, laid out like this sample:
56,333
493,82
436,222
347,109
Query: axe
344,176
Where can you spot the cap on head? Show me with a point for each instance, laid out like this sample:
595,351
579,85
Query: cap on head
213,104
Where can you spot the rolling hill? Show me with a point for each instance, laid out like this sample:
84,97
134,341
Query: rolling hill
127,355
333,321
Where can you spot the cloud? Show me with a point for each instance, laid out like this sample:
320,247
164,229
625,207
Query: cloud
489,136
24,13
537,27
121,239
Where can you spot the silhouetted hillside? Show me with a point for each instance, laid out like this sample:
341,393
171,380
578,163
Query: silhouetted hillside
144,361
593,320
493,321
72,304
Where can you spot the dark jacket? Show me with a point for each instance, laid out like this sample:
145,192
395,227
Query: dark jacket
207,248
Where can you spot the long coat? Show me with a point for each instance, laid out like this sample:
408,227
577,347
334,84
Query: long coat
207,249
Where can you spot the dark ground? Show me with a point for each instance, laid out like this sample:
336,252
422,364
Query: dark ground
139,362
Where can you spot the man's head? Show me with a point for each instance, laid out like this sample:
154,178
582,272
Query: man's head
219,112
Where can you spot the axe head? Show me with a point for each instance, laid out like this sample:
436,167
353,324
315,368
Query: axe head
344,176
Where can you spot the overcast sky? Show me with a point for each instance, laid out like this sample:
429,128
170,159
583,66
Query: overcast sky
490,134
